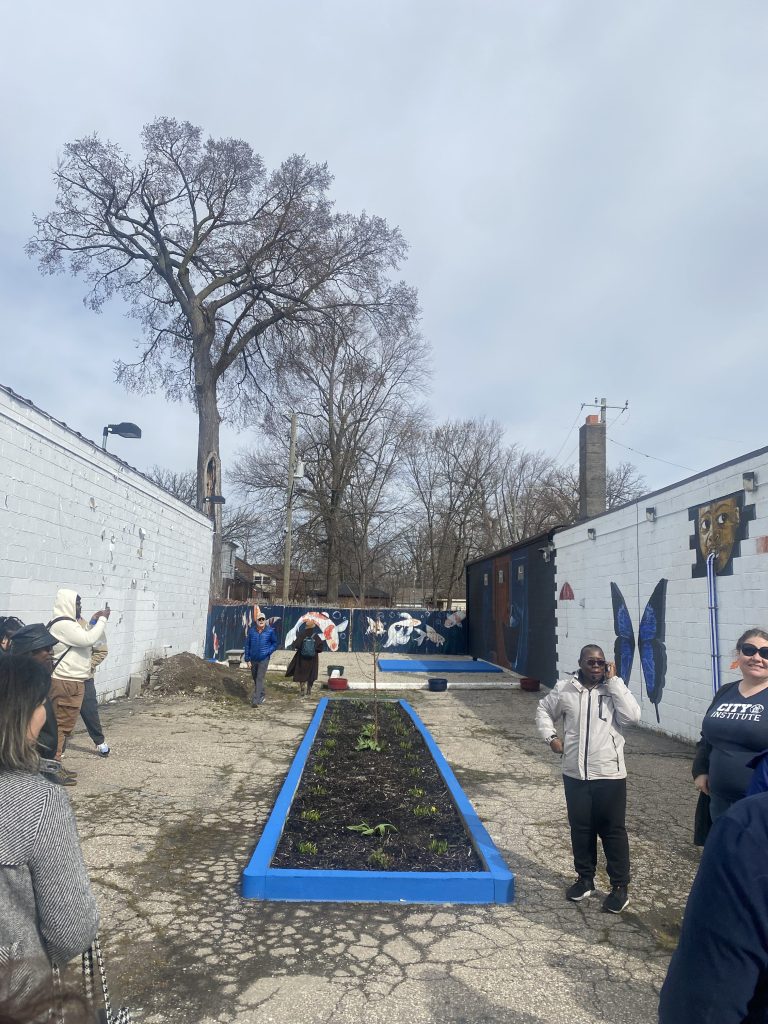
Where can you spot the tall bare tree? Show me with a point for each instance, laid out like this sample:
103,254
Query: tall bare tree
212,253
453,469
356,391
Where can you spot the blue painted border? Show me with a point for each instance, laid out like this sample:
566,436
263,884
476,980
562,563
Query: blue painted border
259,881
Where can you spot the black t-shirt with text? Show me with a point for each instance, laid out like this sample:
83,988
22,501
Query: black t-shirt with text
737,729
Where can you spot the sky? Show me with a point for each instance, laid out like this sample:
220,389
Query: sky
582,187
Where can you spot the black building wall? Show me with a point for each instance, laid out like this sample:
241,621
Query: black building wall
511,608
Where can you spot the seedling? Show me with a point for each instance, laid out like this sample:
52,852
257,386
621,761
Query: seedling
307,847
438,845
311,814
318,791
405,744
371,830
380,858
424,810
415,791
319,769
329,744
366,743
415,772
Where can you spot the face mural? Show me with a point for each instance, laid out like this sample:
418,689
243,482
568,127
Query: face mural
720,526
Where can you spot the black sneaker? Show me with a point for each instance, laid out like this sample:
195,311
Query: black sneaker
616,900
580,889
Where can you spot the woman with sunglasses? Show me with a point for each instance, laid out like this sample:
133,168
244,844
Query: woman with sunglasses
48,909
734,730
593,706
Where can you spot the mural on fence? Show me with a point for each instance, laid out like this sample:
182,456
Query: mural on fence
719,527
409,631
650,640
417,630
228,624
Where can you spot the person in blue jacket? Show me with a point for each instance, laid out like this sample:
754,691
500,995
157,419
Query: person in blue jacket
260,645
719,971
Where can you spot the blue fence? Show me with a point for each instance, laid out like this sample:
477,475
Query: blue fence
391,630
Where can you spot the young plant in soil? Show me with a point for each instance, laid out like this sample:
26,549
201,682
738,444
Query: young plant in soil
379,810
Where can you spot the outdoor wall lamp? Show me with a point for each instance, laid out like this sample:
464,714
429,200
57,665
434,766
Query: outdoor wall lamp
121,429
592,533
749,480
216,499
547,551
650,514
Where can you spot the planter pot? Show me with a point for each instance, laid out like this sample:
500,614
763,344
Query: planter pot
532,685
437,685
338,683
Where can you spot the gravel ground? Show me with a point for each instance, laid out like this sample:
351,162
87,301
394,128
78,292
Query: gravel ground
170,819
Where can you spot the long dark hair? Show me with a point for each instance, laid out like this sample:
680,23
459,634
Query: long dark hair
24,685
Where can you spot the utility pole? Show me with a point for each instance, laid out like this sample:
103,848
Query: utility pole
603,406
288,511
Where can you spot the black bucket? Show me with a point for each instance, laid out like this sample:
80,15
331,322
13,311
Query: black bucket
437,685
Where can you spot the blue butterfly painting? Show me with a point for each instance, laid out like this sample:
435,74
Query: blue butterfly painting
650,638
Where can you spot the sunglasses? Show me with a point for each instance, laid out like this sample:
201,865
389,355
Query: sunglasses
595,663
749,651
261,620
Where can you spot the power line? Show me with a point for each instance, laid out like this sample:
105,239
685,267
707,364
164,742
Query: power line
570,431
654,457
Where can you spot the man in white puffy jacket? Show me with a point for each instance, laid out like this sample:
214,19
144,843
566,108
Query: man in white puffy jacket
593,706
71,659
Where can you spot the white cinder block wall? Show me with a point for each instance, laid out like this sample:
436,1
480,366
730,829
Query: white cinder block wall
635,554
74,516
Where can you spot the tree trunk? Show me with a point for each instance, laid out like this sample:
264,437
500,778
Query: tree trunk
209,466
333,577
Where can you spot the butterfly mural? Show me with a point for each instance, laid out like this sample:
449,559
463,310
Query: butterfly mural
650,639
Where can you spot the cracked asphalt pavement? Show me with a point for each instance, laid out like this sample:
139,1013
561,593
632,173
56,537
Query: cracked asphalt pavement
170,819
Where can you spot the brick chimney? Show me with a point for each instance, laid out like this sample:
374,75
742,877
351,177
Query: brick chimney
592,485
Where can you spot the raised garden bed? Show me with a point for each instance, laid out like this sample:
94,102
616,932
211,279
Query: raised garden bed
388,825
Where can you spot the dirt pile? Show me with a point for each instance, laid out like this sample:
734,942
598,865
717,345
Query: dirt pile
186,673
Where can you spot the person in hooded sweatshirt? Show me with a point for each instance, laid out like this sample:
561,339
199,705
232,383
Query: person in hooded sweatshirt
71,660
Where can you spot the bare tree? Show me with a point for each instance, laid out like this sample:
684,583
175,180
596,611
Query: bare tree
453,469
182,485
212,255
356,393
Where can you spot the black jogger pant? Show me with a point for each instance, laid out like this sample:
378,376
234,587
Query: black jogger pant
597,807
89,712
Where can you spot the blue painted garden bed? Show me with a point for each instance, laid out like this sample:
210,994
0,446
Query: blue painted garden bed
494,884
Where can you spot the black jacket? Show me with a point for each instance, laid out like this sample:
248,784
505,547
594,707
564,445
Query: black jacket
719,971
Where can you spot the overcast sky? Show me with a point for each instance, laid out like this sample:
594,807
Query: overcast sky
583,187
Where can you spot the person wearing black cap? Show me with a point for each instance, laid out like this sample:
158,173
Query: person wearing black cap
36,642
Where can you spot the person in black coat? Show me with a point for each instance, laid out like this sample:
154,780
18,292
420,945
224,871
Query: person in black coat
719,971
305,664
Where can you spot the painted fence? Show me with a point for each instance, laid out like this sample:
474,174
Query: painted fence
393,630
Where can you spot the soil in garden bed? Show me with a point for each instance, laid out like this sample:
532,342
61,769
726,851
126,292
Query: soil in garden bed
398,786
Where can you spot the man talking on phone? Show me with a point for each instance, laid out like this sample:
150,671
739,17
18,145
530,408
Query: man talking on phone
592,708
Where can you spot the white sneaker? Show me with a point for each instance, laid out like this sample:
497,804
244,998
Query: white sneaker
103,750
